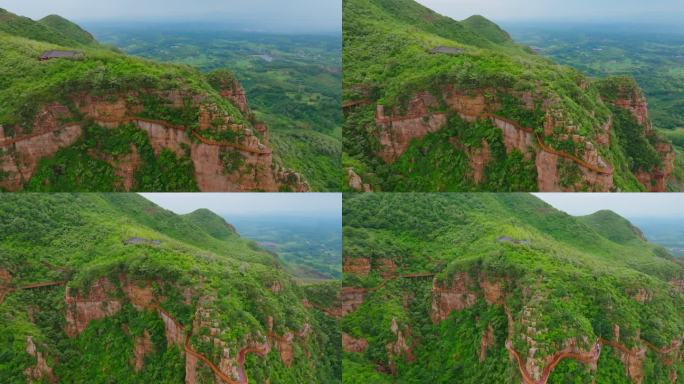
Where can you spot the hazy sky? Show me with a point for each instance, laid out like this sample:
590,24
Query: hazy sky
629,205
604,11
257,204
270,15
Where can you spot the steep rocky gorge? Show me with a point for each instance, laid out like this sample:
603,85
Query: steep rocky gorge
58,126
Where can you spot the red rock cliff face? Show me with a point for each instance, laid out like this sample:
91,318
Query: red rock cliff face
421,117
96,304
40,372
455,297
236,94
141,347
349,298
655,180
19,159
19,155
400,347
351,344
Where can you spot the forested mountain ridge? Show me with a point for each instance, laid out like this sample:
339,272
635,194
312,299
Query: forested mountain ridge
294,83
79,116
503,288
433,104
97,287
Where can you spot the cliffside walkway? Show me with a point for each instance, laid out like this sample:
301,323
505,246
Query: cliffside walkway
590,358
261,350
7,142
8,289
353,103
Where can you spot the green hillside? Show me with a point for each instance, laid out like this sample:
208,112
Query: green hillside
70,30
51,29
131,280
613,226
211,223
461,286
101,85
419,67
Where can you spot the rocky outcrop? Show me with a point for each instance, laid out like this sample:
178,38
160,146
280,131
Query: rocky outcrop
191,368
363,266
5,281
396,132
285,347
40,372
492,290
276,287
678,285
96,304
642,296
477,157
655,180
633,100
455,297
351,344
236,94
535,368
19,155
357,265
141,347
5,277
488,340
399,347
386,267
124,166
356,183
173,330
142,297
348,299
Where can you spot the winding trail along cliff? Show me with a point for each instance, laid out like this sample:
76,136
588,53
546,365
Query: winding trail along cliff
174,330
242,376
57,127
458,297
98,304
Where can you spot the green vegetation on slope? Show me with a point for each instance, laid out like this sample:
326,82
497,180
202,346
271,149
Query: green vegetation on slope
561,277
70,30
51,29
199,265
